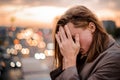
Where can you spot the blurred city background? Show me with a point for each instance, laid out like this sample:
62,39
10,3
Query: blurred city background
27,29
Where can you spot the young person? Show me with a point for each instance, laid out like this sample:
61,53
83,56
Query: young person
83,49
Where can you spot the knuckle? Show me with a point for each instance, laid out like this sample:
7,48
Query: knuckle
60,46
78,46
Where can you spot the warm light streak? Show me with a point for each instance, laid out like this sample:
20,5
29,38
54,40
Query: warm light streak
50,46
18,46
49,52
42,44
39,56
25,51
28,33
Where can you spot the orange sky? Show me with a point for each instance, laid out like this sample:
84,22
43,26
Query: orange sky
42,14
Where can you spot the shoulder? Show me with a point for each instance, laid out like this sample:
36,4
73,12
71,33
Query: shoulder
113,52
111,56
108,65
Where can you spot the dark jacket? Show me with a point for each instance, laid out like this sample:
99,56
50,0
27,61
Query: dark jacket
105,67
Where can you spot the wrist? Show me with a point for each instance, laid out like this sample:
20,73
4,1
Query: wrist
69,62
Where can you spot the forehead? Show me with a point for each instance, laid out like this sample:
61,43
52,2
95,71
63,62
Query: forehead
73,29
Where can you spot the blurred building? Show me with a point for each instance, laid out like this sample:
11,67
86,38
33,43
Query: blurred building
112,29
110,26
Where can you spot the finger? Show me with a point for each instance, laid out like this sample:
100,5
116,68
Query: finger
63,32
68,32
58,39
77,39
61,35
58,33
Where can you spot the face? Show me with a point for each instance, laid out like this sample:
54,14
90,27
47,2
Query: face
85,36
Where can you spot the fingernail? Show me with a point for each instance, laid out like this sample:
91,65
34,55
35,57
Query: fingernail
66,25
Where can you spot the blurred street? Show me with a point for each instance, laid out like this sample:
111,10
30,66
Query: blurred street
27,54
35,69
